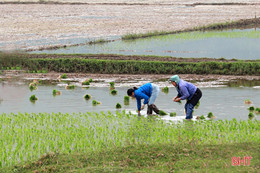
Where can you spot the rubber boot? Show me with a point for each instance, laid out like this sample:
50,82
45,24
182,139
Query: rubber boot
155,109
149,110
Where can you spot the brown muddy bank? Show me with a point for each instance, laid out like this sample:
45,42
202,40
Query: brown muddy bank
53,76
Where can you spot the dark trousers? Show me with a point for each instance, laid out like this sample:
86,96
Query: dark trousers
189,106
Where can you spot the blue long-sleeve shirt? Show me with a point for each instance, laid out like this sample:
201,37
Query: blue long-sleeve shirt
185,90
143,92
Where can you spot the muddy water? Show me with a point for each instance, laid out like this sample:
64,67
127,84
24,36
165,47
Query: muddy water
223,102
229,44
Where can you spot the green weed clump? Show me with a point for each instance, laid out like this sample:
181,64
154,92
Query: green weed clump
32,86
87,96
197,105
112,85
210,115
63,76
56,92
162,113
257,110
33,98
118,106
165,89
113,92
251,108
70,87
251,115
86,83
202,117
247,101
126,100
173,114
94,103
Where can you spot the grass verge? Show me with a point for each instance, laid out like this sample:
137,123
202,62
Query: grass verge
76,64
149,158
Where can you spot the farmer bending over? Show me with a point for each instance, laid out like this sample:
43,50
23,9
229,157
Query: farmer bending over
149,93
186,90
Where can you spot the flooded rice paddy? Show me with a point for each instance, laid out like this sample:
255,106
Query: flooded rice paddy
229,44
223,101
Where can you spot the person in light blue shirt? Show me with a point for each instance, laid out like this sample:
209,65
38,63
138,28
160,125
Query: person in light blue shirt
149,93
186,91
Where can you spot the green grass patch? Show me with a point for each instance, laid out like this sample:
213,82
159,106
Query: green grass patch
149,158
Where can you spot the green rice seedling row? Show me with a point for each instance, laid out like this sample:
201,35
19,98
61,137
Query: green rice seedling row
27,136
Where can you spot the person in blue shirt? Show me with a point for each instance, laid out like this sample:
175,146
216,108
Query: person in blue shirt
188,91
149,93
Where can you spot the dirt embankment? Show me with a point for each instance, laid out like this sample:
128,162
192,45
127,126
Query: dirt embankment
125,77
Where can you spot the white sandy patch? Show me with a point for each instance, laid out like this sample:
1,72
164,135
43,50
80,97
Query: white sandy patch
25,26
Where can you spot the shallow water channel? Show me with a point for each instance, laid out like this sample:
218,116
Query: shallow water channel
229,44
224,102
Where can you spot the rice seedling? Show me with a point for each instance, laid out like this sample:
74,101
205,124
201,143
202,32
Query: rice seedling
112,85
247,101
201,117
113,92
63,76
197,105
210,115
251,115
90,80
94,132
87,96
257,110
126,100
251,108
94,103
33,98
118,106
165,89
162,113
173,114
70,87
56,92
86,82
32,86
